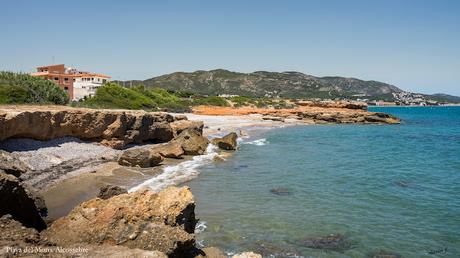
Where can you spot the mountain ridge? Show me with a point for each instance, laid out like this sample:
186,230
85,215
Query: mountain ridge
288,84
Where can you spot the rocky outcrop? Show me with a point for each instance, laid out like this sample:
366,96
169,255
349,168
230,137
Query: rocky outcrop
192,142
16,239
162,221
181,125
112,128
108,191
334,104
228,142
16,201
171,149
140,157
11,164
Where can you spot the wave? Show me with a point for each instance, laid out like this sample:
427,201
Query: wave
200,227
182,172
258,142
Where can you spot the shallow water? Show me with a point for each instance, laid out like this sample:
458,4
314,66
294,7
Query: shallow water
390,187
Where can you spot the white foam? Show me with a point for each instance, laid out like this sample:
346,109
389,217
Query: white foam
258,142
200,227
182,172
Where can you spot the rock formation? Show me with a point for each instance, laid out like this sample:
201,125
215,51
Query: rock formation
163,221
109,191
171,149
192,142
10,164
16,201
112,128
139,157
180,125
228,142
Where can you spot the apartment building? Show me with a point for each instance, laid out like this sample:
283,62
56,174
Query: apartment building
77,84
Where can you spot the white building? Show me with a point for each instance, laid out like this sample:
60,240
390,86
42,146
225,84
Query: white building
86,84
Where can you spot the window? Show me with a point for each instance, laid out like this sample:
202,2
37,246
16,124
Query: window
66,79
66,88
56,78
104,80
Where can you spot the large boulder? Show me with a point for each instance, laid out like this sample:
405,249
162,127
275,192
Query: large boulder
171,149
228,142
16,201
108,191
181,125
139,157
162,221
11,164
192,143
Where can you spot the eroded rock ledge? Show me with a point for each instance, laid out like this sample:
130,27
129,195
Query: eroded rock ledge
113,128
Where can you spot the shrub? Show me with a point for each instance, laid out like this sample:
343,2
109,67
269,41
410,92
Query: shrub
17,88
211,101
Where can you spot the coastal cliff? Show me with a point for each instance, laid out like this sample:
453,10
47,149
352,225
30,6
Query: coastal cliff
112,128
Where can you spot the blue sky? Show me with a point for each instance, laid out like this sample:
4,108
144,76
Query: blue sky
414,45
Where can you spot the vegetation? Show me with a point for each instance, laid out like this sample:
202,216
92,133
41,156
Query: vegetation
211,101
17,88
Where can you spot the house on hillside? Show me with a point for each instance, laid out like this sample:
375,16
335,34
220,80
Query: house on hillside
77,84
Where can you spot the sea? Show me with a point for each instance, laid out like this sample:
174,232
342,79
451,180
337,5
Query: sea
338,190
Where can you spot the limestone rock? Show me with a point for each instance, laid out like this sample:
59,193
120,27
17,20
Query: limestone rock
181,125
113,128
37,197
109,191
16,202
273,118
247,255
171,149
228,142
162,221
139,157
11,164
192,143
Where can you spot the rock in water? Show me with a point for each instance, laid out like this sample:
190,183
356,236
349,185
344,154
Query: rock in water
192,143
139,157
333,242
228,142
247,255
11,164
109,191
280,191
169,150
211,252
162,221
384,254
15,201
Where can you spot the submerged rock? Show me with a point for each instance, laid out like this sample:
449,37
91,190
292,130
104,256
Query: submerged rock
11,164
402,183
280,191
211,252
16,201
228,142
270,249
333,242
171,149
109,191
140,157
162,221
247,255
192,143
384,254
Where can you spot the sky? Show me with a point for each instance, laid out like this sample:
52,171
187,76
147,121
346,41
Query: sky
414,45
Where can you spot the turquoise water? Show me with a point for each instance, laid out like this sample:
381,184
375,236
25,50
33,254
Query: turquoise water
382,187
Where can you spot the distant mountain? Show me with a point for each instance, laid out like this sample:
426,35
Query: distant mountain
270,84
447,97
275,84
